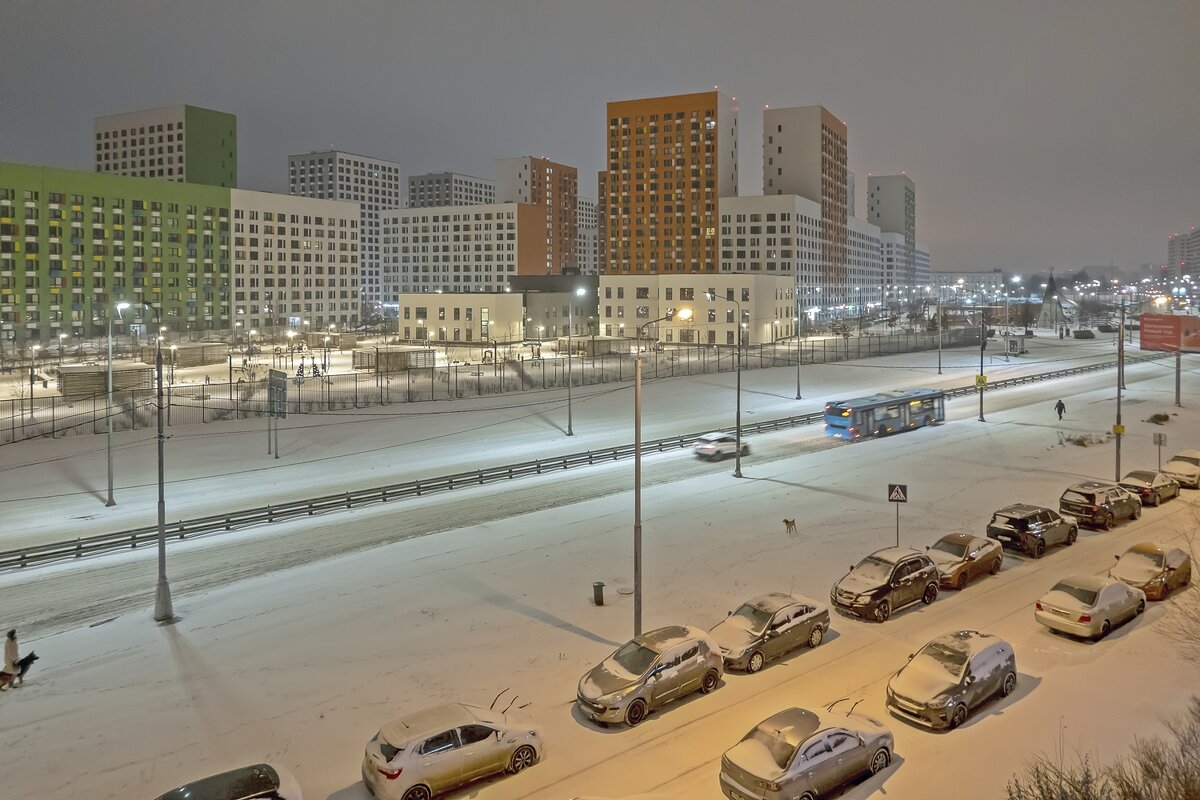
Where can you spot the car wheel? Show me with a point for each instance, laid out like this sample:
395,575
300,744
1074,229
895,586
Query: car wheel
418,793
1137,511
1109,522
1010,684
931,593
1104,629
1141,609
883,611
881,432
960,582
958,717
710,681
816,637
756,662
1157,499
1039,548
524,756
635,713
880,760
1072,535
995,568
807,796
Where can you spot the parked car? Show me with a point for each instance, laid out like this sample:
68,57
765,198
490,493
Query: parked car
798,754
244,783
442,748
1107,327
1083,333
1100,504
885,581
1031,529
769,626
1155,570
1184,467
1151,487
951,676
1089,605
718,446
648,672
962,557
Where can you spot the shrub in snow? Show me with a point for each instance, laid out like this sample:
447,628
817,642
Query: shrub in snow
1159,419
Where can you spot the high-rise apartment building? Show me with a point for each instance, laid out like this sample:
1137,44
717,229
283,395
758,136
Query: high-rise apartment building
589,263
1183,253
601,221
439,189
179,143
670,160
373,183
555,189
804,153
892,205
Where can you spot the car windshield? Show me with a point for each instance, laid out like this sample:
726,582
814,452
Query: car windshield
750,618
1144,477
1016,523
943,656
777,745
1085,596
955,548
874,569
1137,560
635,658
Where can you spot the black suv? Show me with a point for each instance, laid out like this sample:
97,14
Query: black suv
884,581
1031,529
1100,504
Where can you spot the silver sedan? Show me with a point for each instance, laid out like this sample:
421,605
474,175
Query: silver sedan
1089,605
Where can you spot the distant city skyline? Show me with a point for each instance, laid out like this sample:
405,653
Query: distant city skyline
1026,155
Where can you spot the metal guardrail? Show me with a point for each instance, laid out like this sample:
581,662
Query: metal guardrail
183,529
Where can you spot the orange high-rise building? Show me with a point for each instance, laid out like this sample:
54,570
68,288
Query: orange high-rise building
669,160
554,188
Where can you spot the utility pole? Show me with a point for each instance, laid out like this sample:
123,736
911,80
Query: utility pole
982,344
1118,428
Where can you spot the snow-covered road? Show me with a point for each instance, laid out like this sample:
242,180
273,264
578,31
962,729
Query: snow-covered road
303,662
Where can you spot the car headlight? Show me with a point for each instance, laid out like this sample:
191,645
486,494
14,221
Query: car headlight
735,652
943,701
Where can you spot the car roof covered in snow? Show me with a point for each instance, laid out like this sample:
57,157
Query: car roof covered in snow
894,554
1021,510
793,725
773,601
1093,583
969,642
662,638
429,721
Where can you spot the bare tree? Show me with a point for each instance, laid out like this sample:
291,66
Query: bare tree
1182,623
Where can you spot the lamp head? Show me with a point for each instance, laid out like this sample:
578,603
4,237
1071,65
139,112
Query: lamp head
710,296
122,306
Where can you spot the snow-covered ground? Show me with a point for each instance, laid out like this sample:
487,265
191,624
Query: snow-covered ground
352,618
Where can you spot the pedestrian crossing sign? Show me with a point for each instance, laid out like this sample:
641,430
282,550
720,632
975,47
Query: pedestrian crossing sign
897,493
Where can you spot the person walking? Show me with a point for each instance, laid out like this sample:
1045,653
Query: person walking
1061,408
11,657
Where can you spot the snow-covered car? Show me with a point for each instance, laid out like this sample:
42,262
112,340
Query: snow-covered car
1089,605
648,672
951,676
442,748
626,797
769,626
1155,570
1151,487
1031,529
717,446
800,754
885,581
1100,504
245,783
1184,467
962,557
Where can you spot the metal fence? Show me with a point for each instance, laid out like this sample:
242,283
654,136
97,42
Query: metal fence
189,404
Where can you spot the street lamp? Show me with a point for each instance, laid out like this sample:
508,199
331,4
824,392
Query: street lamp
684,314
61,336
290,335
579,292
162,595
737,470
799,350
325,363
111,502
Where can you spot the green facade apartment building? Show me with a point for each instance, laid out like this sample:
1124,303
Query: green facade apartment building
178,143
74,244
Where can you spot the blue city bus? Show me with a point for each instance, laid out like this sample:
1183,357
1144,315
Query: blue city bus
884,413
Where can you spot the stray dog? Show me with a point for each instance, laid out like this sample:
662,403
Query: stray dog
23,665
789,526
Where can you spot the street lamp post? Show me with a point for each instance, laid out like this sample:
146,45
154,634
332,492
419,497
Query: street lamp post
1120,384
61,336
737,470
799,345
637,467
580,292
982,345
325,363
109,415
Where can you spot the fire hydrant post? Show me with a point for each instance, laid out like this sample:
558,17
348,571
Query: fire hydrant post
598,593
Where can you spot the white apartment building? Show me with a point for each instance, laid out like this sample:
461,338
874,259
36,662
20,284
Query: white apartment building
767,304
461,248
924,265
588,244
892,205
295,262
896,285
864,269
373,183
439,189
461,317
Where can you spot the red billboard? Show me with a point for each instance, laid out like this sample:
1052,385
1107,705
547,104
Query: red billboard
1171,333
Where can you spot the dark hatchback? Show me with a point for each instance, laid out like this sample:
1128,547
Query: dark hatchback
1031,529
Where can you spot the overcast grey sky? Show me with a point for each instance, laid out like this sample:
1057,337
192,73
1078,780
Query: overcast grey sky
1041,133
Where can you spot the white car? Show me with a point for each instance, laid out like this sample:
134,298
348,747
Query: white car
1089,605
717,446
1185,468
442,748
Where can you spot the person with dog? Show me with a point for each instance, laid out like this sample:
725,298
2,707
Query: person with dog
11,667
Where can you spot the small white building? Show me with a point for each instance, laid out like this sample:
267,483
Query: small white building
461,317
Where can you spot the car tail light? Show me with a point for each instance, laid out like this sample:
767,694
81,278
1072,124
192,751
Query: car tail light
390,774
1085,617
1039,606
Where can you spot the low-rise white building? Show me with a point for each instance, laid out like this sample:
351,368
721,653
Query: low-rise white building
461,317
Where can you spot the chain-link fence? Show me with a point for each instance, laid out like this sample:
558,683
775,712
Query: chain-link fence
190,404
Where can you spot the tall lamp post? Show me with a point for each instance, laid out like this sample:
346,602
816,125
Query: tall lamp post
737,470
61,336
684,314
982,345
799,345
163,611
109,415
579,292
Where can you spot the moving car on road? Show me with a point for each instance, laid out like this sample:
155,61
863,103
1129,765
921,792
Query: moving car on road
648,672
439,749
769,626
1151,487
1155,570
1100,504
798,755
952,675
1184,467
961,558
244,783
1089,605
1031,529
718,446
885,581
